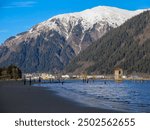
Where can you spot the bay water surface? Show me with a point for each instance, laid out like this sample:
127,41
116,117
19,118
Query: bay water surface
127,96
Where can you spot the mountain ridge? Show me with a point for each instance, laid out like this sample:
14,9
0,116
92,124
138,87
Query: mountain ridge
50,45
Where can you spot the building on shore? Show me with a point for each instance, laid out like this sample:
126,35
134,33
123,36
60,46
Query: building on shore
65,76
118,74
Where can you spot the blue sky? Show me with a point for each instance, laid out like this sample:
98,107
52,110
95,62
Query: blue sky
19,15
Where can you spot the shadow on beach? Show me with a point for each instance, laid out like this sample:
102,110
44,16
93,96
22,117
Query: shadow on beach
15,97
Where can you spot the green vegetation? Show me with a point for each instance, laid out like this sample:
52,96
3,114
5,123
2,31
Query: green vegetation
11,72
127,46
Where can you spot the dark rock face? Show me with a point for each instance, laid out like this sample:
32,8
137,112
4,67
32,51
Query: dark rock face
38,54
49,51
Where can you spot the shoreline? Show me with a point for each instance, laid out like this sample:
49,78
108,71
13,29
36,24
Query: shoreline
18,98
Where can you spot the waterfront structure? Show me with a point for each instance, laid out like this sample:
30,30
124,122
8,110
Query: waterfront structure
118,74
65,76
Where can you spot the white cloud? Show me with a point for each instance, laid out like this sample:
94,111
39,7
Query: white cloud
20,4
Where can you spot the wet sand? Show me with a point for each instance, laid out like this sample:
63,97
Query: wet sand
15,97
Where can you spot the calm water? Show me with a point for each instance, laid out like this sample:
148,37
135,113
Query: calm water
128,96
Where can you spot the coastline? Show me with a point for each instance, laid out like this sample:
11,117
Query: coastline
18,98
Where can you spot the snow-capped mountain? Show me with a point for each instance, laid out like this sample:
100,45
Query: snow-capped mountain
50,45
127,46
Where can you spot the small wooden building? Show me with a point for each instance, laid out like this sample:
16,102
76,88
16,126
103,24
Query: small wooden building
118,74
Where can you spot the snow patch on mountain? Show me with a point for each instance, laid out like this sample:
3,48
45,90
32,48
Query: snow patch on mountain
114,16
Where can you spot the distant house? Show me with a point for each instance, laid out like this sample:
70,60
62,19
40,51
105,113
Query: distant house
65,76
46,76
118,74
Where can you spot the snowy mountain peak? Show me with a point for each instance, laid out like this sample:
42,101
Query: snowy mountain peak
102,14
79,29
